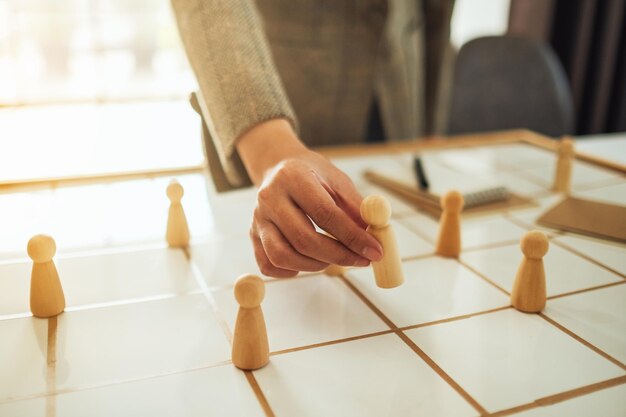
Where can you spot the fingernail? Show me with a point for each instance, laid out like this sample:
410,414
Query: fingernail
361,262
372,254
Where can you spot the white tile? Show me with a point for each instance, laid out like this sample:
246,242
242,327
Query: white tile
422,223
520,185
607,146
377,376
434,289
354,167
399,207
612,194
221,390
611,254
609,402
480,231
410,243
23,353
472,160
508,358
103,277
521,155
487,163
529,221
231,212
222,261
529,216
475,231
597,316
307,310
115,344
583,174
100,215
565,271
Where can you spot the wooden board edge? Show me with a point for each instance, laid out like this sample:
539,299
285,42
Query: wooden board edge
545,142
428,142
39,183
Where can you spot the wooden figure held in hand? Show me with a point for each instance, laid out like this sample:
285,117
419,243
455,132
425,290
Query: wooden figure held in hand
376,212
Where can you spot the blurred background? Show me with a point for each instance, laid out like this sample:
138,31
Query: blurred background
63,51
109,80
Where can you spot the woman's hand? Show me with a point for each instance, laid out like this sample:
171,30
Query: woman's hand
298,186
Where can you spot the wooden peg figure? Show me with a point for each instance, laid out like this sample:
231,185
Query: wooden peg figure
334,270
376,212
46,293
563,174
449,240
529,288
177,230
250,346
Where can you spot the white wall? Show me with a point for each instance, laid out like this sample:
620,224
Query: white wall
475,18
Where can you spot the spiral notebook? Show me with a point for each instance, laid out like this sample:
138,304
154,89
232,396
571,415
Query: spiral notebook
477,189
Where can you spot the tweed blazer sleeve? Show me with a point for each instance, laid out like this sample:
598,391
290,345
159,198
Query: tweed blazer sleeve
239,85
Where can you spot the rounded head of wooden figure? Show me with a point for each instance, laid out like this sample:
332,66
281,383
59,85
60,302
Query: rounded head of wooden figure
452,201
41,248
566,146
376,211
175,191
534,244
249,291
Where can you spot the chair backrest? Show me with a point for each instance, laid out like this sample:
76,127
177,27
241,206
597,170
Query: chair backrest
503,82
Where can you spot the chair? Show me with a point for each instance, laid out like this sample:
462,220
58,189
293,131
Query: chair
503,82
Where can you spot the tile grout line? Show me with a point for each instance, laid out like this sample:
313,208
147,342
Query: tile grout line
258,392
581,340
109,384
250,378
51,361
482,276
453,319
431,363
442,374
587,258
310,346
331,342
562,328
584,290
415,230
368,303
500,244
561,397
205,290
117,303
598,184
577,392
83,252
530,227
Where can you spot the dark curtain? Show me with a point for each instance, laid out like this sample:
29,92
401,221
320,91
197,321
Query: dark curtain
589,37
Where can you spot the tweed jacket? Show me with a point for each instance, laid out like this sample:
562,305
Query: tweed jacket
317,63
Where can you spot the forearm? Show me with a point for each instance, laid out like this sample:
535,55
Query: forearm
230,56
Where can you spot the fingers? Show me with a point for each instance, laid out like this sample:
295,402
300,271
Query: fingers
302,236
346,196
265,265
293,196
281,254
317,203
